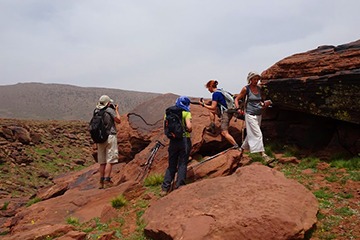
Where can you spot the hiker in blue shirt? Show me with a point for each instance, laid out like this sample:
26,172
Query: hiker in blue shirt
219,107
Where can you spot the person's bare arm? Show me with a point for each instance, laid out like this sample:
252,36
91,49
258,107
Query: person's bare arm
117,118
241,95
212,106
188,124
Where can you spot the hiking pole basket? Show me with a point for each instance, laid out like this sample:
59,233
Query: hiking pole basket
147,164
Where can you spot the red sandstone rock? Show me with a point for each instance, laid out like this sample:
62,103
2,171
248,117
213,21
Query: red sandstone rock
21,134
323,82
41,232
284,160
73,235
219,166
252,204
52,191
317,62
107,214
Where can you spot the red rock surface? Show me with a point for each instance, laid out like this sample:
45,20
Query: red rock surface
318,62
254,203
323,82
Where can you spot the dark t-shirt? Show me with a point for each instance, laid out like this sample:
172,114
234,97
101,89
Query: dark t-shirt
109,116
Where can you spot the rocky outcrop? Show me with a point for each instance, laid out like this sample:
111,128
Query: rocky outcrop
315,97
323,82
254,203
318,62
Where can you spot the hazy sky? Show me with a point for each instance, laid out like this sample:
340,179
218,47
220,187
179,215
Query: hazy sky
163,45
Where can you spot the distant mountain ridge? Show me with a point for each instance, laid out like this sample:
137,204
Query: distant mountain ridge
62,102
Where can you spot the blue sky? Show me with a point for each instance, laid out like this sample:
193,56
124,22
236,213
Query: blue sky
163,45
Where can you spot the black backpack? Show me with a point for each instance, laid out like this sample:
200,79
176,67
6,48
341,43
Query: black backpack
173,126
97,126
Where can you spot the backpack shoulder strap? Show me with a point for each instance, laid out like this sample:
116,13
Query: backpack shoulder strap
247,90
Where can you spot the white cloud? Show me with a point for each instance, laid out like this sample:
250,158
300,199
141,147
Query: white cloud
163,46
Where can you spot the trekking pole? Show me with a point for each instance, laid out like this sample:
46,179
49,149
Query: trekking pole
210,158
149,160
195,103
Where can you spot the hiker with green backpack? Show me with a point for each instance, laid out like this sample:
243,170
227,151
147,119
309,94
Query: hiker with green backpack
223,106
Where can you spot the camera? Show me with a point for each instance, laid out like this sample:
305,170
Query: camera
113,106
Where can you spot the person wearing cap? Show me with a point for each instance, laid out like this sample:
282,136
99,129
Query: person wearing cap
107,152
253,114
179,150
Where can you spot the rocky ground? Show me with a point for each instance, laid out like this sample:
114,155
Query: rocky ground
32,153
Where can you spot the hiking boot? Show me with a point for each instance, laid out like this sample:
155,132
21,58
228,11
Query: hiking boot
163,193
211,128
267,159
241,152
108,183
101,184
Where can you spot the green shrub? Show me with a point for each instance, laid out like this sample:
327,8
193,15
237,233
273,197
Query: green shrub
255,157
269,151
321,194
332,178
6,204
154,180
118,201
141,203
308,163
274,146
33,201
72,220
140,222
337,156
346,196
351,164
344,211
354,176
4,233
291,151
325,204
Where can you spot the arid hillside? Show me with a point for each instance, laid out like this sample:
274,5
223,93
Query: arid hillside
61,102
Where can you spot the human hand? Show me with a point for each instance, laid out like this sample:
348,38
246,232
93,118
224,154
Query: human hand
201,101
267,103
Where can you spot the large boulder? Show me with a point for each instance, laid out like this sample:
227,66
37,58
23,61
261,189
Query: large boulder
324,82
256,202
315,97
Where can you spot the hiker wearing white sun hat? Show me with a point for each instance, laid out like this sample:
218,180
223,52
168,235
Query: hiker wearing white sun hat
107,152
253,115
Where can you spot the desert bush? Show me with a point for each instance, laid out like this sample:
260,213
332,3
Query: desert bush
33,201
118,201
4,207
154,180
350,164
72,220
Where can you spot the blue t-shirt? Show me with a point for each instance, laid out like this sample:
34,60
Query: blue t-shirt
217,96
